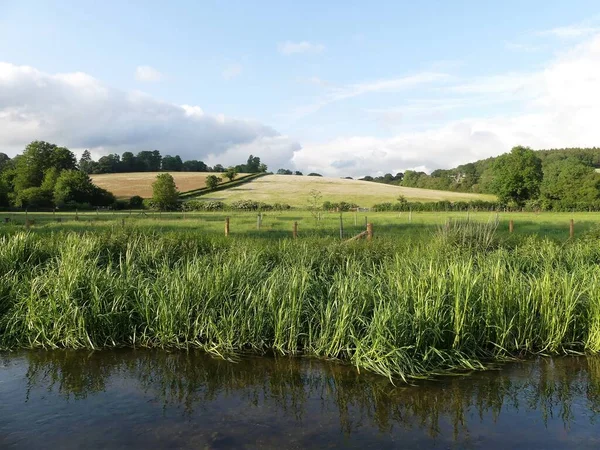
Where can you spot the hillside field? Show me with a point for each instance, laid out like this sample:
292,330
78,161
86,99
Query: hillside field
126,185
295,191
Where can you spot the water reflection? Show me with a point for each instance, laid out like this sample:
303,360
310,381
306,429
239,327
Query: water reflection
190,400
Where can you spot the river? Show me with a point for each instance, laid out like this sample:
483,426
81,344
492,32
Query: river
156,399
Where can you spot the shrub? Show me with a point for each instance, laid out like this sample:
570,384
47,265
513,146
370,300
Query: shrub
136,202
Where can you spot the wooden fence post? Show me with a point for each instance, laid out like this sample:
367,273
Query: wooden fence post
572,229
355,216
258,221
123,223
511,226
410,215
226,226
341,227
369,231
76,214
295,232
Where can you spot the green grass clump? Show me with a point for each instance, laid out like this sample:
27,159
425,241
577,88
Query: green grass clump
398,308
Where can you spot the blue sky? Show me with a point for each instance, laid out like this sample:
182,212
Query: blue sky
344,88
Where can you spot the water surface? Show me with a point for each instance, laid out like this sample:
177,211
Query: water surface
155,399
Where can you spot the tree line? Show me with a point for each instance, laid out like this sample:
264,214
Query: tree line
153,161
556,179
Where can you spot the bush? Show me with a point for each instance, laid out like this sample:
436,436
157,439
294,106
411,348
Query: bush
199,205
136,202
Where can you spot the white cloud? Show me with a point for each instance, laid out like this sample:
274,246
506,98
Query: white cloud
557,106
521,47
290,48
569,32
232,71
147,74
336,94
79,111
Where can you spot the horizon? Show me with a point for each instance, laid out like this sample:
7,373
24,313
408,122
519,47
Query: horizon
345,90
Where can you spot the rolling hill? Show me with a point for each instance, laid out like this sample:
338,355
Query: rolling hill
295,191
126,185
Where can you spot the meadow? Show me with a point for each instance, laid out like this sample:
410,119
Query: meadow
421,298
295,191
279,224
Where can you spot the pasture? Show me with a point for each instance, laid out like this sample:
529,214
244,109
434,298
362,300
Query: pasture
295,191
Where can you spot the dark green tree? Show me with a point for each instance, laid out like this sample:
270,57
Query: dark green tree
517,176
128,162
86,162
165,195
75,187
172,163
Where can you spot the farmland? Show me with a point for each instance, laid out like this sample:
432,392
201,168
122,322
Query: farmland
126,185
295,191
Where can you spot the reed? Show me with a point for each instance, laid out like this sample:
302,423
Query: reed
400,309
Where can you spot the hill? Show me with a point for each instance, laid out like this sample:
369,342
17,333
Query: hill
126,185
295,191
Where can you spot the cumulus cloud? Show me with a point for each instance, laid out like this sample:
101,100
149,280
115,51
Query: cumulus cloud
557,106
79,111
147,74
289,48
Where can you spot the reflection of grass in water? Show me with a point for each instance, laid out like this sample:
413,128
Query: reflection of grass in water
288,385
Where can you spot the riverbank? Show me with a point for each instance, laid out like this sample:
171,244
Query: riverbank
400,309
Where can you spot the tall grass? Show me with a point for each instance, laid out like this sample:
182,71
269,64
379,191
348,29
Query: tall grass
399,309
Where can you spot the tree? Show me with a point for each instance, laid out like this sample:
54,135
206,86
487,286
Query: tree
109,164
4,161
569,183
314,174
252,165
230,173
284,172
33,197
262,168
172,163
297,172
212,181
49,182
128,162
517,175
218,168
86,162
63,159
165,195
75,187
149,161
30,167
194,166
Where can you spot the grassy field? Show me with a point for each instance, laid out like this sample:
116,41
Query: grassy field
454,300
126,185
278,225
295,191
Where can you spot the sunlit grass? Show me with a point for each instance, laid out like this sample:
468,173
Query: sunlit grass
400,308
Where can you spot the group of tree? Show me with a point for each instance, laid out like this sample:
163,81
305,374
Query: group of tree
557,179
153,161
46,175
288,172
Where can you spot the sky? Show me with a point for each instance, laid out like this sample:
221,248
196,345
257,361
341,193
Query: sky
343,88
